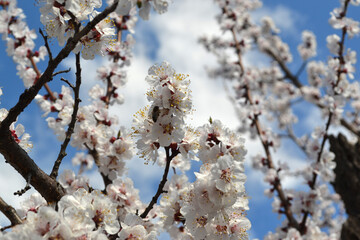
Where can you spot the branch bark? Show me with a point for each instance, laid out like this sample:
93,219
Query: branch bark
10,213
70,130
20,160
163,181
347,183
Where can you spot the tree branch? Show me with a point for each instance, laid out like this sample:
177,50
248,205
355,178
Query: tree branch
10,213
163,181
20,160
46,44
339,71
95,155
277,184
347,182
70,130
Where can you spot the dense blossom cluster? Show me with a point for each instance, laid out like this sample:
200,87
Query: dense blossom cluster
214,205
268,93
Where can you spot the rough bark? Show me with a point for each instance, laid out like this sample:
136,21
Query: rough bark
347,183
21,161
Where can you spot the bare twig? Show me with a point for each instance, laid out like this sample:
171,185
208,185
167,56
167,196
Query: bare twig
10,213
238,52
301,69
60,72
109,92
70,129
38,75
6,227
46,44
163,181
26,188
288,74
68,83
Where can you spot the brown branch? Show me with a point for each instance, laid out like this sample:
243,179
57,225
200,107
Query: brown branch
325,137
70,130
62,71
270,164
38,75
95,155
277,184
163,181
10,213
20,160
46,44
288,74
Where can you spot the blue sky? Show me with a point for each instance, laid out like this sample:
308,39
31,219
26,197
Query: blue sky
173,37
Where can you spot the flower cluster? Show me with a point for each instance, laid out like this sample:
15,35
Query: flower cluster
62,19
162,124
80,215
20,42
214,205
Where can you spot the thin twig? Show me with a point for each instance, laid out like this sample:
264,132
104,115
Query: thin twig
10,213
96,157
63,71
288,74
38,75
46,44
163,181
301,69
26,188
68,83
70,129
6,227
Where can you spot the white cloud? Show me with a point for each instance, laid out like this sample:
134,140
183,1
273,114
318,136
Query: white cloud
185,22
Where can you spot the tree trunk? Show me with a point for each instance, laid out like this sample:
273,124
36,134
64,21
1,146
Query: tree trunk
347,183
